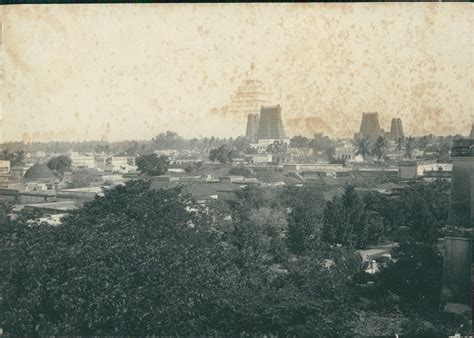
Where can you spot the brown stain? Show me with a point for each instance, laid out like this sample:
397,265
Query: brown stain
315,69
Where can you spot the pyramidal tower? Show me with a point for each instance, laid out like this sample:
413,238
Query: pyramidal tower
396,129
270,125
370,127
249,96
252,127
472,131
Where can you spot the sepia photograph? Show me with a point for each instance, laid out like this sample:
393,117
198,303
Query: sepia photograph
237,169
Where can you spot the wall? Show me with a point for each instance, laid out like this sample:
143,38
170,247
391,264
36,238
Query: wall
457,270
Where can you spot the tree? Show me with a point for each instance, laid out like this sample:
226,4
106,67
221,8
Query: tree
415,274
424,208
322,143
221,154
305,218
60,164
277,147
242,171
138,261
409,148
348,222
15,158
363,148
379,148
152,165
299,141
399,144
169,140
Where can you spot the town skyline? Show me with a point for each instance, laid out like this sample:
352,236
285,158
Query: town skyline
99,85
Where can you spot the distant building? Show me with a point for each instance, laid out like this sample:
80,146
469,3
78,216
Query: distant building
348,153
370,127
248,99
40,173
270,125
82,161
252,127
396,129
471,136
4,173
461,213
262,145
415,169
4,167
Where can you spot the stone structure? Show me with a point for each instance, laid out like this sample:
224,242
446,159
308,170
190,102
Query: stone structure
248,99
270,125
461,212
39,173
370,127
396,129
471,136
456,280
252,127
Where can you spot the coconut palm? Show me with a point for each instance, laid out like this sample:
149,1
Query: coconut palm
363,148
379,148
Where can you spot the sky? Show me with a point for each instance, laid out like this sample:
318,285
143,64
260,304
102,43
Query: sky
130,71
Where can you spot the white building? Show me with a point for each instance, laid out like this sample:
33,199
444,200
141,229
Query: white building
262,144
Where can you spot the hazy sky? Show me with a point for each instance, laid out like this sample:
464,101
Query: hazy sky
74,72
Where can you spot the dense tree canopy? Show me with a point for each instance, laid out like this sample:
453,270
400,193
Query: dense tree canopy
60,164
139,261
152,164
221,154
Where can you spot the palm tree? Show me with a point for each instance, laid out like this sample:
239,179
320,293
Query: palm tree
363,148
409,148
399,144
379,148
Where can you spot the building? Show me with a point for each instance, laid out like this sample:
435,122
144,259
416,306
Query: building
347,152
82,161
252,127
471,136
461,212
248,99
40,173
396,129
4,173
415,169
270,125
263,145
370,127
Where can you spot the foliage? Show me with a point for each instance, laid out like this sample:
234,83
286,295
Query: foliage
349,222
190,167
424,207
221,154
139,261
306,207
415,275
299,141
409,148
60,164
379,148
363,148
277,147
152,165
15,158
241,171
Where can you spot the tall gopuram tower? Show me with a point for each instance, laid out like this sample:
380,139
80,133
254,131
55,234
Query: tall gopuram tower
370,127
271,124
396,129
252,127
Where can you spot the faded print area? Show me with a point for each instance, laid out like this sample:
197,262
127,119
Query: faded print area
113,72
